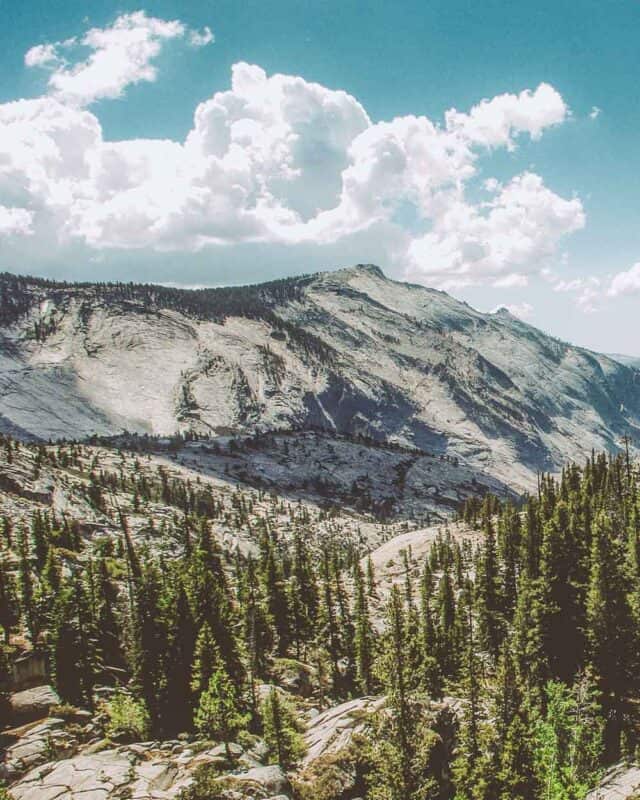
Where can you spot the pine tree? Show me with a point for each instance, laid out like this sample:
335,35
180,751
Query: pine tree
150,642
9,608
177,709
281,730
517,774
40,540
30,609
218,715
211,601
275,595
363,644
206,660
328,634
256,626
611,637
428,666
67,657
371,578
488,600
109,649
560,620
465,768
445,630
393,669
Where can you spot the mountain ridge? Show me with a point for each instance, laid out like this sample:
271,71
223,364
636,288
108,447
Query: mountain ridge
348,350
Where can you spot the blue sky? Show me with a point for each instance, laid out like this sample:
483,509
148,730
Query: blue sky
342,180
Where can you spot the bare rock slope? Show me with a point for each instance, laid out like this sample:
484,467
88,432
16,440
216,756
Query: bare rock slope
348,351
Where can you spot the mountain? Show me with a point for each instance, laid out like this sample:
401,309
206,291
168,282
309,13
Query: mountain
629,361
349,351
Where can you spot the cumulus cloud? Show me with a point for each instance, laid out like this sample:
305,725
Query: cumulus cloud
15,221
277,160
495,122
625,282
510,237
41,55
595,112
121,55
588,299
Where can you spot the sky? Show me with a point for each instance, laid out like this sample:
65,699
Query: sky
488,149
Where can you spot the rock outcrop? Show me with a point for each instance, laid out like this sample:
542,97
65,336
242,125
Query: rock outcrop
349,351
147,771
621,782
332,731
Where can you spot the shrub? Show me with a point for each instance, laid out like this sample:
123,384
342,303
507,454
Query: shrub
127,718
208,785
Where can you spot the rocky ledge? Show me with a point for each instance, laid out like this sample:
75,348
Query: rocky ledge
150,771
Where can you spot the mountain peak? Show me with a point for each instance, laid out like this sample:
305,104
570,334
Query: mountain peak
357,269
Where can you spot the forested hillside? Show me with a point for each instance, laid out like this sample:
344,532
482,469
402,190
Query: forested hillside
505,657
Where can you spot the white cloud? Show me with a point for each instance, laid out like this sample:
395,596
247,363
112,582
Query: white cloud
521,310
625,282
595,112
15,221
587,291
494,123
41,55
201,38
511,281
121,55
281,161
513,236
588,299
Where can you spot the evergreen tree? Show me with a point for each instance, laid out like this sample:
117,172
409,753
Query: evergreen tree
611,637
177,710
9,608
363,638
206,660
488,600
218,715
281,730
393,669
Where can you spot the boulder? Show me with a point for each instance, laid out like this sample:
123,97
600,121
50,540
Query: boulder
32,704
294,676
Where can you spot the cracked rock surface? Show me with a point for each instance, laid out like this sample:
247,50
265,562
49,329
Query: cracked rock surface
145,771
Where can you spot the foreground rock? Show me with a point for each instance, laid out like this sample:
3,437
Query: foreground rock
149,771
621,782
35,744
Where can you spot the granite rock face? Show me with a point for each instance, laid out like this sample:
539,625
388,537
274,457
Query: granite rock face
349,351
145,771
34,744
